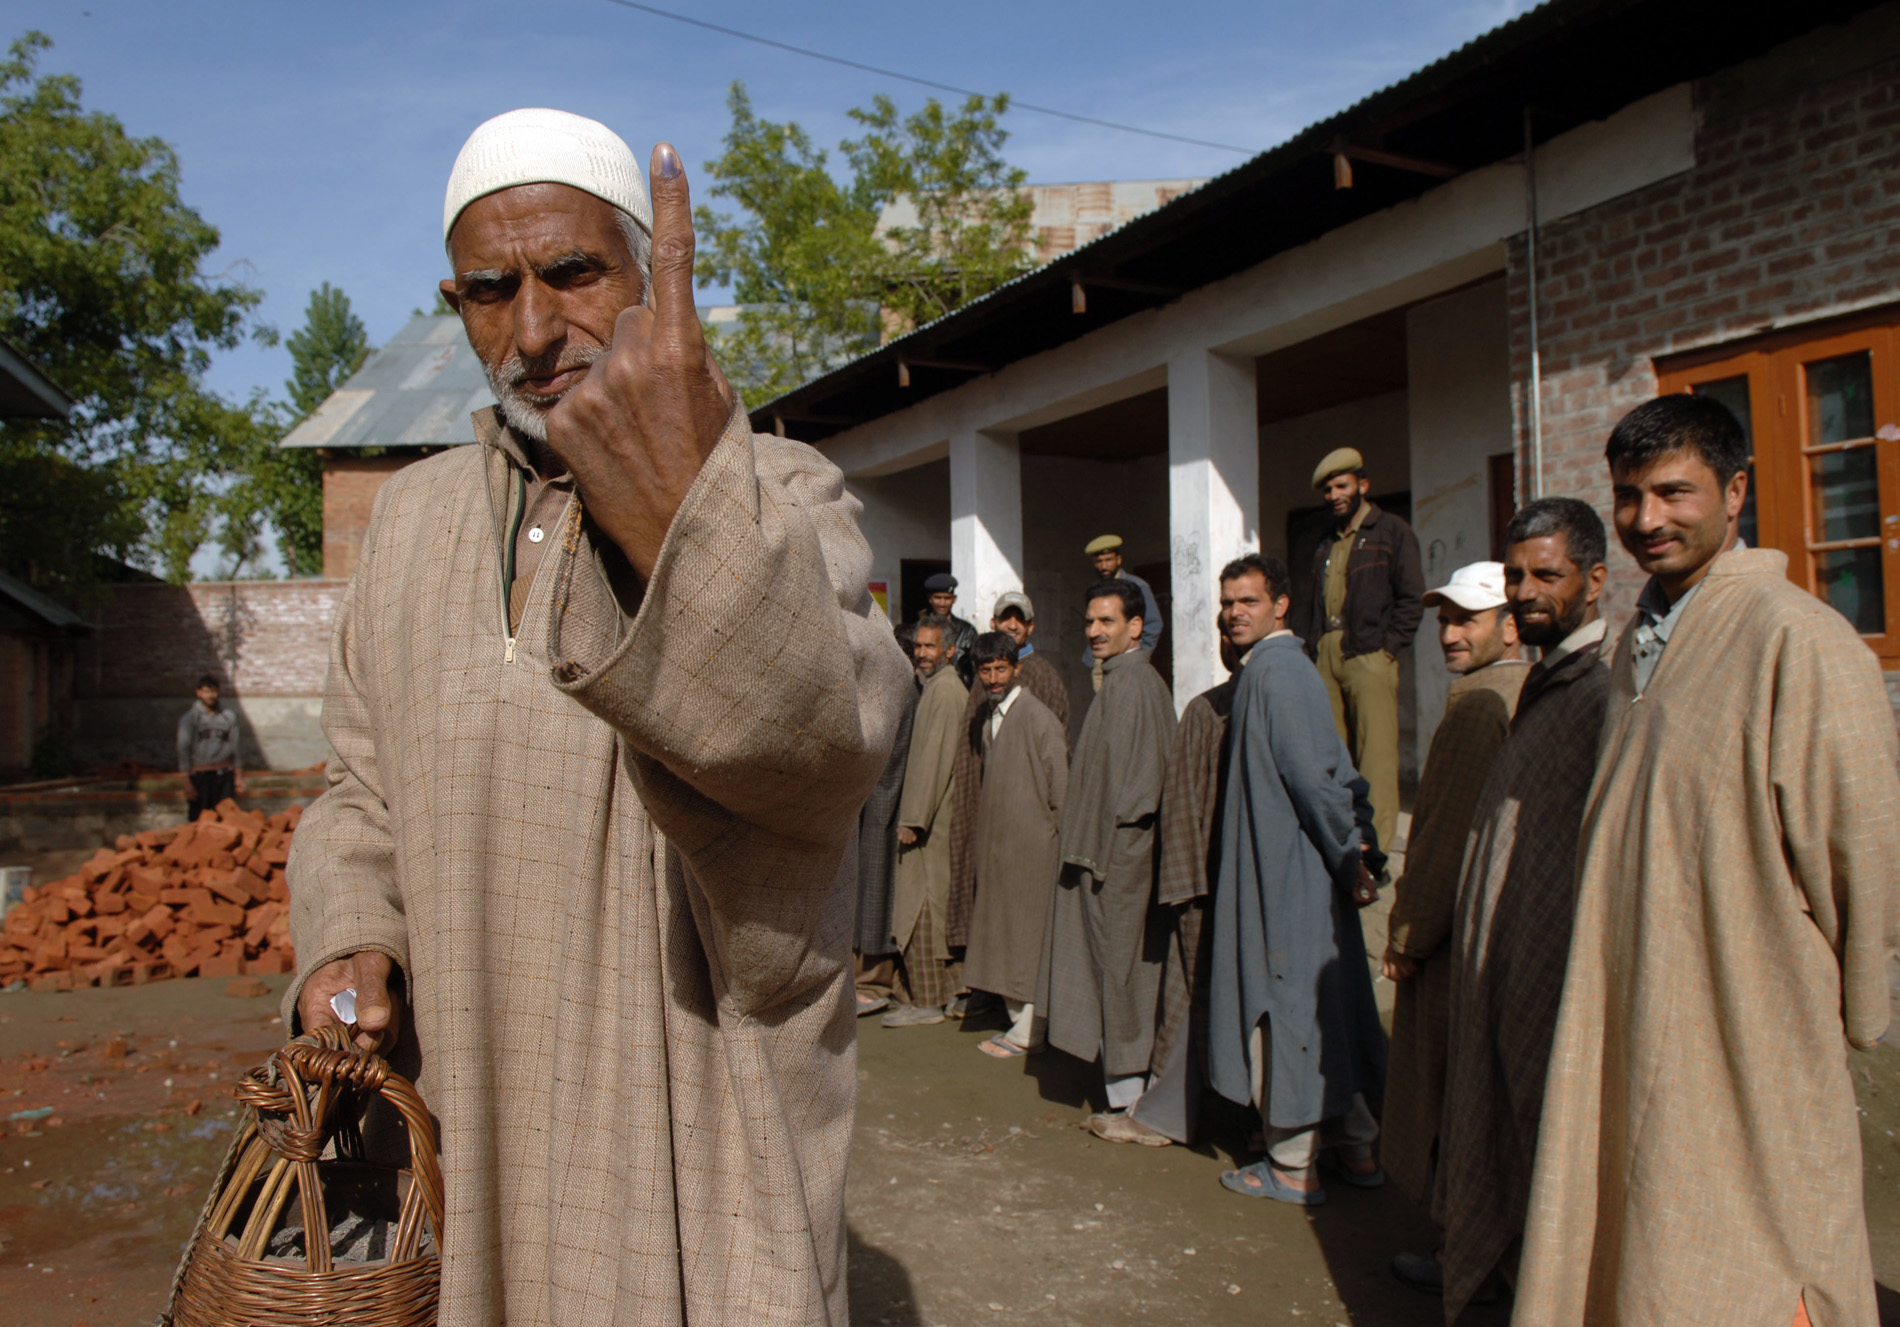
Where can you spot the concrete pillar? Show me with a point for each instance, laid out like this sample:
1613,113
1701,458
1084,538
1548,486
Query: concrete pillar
986,520
1458,363
1213,501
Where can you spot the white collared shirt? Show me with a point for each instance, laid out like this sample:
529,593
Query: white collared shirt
1587,634
998,710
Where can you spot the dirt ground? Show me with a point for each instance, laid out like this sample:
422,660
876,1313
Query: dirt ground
974,1198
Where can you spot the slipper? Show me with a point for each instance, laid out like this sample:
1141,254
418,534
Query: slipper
871,1004
1004,1049
1270,1186
1333,1168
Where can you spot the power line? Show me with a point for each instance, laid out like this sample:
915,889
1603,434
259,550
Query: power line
922,82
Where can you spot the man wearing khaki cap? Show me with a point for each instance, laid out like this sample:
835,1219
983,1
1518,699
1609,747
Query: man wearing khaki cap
1358,606
1105,551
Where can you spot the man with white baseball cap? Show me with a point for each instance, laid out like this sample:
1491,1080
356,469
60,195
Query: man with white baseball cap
1479,638
606,693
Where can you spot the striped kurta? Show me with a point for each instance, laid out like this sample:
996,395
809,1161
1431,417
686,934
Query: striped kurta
608,855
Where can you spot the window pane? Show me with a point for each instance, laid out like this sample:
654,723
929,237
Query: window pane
1845,487
1840,398
1849,579
1733,393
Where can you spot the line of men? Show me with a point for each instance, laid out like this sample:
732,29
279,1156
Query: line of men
1646,907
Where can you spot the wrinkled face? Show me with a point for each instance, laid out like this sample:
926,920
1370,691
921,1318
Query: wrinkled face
1474,638
927,651
997,677
207,696
1011,625
541,273
1343,493
1108,563
1673,515
1551,596
942,601
1109,632
1248,613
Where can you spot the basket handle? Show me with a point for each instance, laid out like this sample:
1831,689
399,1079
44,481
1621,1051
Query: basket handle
302,1084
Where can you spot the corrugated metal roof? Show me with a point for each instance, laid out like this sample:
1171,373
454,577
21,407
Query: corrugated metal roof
417,391
35,604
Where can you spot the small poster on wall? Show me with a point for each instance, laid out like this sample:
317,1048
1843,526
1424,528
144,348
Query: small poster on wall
881,591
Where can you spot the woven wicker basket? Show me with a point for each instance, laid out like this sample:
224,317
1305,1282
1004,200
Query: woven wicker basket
309,1095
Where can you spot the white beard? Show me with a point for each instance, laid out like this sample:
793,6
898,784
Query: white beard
528,415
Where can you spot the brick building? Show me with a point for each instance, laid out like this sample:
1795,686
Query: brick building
1717,208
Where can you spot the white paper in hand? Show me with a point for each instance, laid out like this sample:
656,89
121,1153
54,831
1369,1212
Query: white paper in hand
343,1003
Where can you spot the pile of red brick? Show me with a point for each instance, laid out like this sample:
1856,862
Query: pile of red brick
206,899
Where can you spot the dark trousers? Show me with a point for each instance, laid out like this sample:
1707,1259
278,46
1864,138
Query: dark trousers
208,788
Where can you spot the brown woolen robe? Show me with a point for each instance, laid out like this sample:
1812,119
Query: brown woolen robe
923,868
1041,680
608,862
1477,718
1018,848
1700,1156
1509,937
1101,973
1190,801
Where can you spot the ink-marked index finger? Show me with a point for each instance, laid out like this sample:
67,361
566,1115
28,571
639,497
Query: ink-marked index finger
672,244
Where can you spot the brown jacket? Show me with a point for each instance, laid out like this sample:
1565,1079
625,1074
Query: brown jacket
608,861
1699,1159
1385,589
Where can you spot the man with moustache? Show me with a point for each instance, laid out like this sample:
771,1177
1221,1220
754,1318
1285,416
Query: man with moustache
1357,610
927,970
1018,847
1102,965
1014,616
1478,635
606,692
1510,930
1700,1157
1292,1024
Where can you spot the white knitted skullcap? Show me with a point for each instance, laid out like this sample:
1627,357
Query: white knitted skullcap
546,147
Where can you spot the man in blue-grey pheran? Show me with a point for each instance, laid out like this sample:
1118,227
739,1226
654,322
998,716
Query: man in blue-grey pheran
208,750
1105,551
1292,1027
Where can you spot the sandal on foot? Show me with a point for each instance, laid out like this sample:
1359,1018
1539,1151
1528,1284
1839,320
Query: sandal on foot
1334,1168
1266,1184
872,1004
1004,1049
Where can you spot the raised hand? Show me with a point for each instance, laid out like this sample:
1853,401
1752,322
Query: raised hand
637,428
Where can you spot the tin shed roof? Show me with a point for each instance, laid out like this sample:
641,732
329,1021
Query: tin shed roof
417,391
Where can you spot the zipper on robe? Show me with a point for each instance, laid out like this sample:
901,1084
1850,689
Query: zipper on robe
505,548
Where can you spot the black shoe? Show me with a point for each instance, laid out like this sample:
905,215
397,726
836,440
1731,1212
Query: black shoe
1421,1271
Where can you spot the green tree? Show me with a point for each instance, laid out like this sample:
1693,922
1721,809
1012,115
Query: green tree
283,487
818,279
971,232
102,286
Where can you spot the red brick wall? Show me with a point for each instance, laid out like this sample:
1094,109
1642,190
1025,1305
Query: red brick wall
1791,214
264,638
350,485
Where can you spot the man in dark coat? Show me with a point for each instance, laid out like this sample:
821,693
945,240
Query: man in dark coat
1017,843
1358,609
1102,972
942,589
1292,1026
874,948
1015,617
1510,938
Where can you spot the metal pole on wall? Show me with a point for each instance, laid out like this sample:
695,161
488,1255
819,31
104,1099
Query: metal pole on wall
1530,266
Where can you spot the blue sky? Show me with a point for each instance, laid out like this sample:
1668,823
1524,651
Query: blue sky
318,137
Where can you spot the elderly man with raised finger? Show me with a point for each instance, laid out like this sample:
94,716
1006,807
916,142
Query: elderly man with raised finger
606,693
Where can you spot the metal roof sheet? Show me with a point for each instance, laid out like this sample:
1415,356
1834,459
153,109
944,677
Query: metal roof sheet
417,391
34,604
